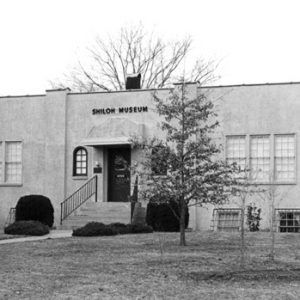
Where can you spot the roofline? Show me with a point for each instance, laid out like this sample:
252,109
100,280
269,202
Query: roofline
23,96
249,84
153,89
121,91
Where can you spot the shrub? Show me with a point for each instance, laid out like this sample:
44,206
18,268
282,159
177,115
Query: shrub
100,229
120,228
27,228
35,208
137,228
95,229
161,216
253,217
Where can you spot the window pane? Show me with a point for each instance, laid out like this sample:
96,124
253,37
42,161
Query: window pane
13,162
285,158
13,152
1,163
80,167
236,150
260,158
13,172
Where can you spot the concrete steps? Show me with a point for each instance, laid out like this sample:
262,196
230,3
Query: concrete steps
104,212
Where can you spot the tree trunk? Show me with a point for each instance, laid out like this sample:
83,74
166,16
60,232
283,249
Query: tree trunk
243,235
272,230
182,223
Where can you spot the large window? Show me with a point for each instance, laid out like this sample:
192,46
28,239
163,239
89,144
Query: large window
236,150
80,162
272,158
10,162
260,158
285,158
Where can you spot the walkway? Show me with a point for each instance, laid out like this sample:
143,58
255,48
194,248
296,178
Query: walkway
54,234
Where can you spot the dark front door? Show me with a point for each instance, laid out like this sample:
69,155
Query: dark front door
118,174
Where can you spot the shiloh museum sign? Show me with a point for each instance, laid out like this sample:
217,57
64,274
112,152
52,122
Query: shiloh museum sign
119,110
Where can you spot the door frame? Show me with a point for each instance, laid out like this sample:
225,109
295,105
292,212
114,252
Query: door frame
108,171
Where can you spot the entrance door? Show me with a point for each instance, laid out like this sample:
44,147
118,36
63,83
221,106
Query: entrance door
118,174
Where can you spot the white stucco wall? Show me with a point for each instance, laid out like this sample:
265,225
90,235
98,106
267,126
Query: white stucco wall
51,126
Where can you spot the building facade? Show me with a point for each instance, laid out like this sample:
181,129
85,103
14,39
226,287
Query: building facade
52,144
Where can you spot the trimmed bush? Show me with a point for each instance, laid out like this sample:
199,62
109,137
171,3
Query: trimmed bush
95,229
100,229
35,208
27,228
137,228
120,228
161,217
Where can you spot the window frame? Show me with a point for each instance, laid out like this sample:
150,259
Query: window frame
271,158
226,148
74,172
3,161
293,181
272,180
231,210
287,228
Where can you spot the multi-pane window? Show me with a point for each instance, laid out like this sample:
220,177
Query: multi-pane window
236,150
1,163
80,162
260,158
287,220
10,162
285,158
227,219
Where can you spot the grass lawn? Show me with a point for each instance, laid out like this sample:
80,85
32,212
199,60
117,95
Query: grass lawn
4,236
133,267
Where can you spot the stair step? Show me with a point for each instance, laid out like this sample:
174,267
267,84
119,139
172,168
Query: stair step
104,212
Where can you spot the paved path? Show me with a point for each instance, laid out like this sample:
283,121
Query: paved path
54,234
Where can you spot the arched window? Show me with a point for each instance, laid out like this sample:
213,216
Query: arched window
80,159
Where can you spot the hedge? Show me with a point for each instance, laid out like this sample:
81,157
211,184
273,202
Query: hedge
27,228
100,229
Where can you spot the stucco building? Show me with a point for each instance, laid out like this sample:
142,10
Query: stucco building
56,143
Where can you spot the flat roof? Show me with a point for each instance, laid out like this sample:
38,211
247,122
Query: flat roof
250,84
154,89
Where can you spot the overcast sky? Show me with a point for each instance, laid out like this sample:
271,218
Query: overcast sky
256,41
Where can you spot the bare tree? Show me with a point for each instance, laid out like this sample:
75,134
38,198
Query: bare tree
244,189
273,195
134,51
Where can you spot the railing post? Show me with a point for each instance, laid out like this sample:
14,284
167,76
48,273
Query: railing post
61,213
96,188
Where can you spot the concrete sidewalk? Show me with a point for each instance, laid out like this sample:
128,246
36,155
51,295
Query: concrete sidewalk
54,234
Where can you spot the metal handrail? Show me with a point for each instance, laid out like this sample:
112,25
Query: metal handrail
80,196
11,216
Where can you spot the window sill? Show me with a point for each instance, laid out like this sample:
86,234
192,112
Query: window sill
80,177
11,184
275,183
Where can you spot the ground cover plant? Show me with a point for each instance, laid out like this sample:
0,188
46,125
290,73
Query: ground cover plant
27,228
100,229
132,267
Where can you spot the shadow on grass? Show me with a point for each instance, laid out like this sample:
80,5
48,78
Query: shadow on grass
253,275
